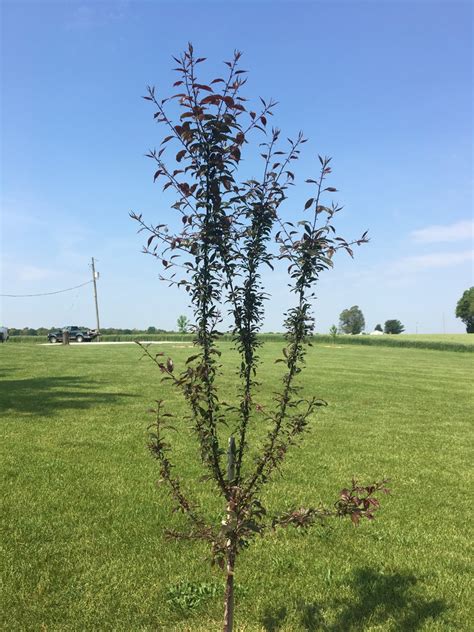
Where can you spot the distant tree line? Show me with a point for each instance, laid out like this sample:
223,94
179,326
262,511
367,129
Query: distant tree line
183,326
43,331
351,321
28,331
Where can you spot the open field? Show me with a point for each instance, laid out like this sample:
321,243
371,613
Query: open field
465,339
82,520
437,342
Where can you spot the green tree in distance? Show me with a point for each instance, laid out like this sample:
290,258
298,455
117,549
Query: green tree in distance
351,321
393,327
183,324
378,327
465,309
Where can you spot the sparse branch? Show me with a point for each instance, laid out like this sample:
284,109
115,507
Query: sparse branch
164,118
159,448
193,398
357,502
172,180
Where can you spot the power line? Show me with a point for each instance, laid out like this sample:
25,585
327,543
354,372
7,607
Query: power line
68,289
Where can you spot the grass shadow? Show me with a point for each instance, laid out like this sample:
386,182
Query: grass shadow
272,620
381,598
385,601
48,395
310,616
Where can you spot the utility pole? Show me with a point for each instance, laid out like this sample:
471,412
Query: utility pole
95,276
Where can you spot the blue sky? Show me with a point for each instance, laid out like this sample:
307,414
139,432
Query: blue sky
383,87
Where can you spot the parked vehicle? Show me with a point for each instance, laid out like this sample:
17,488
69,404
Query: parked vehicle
76,334
3,334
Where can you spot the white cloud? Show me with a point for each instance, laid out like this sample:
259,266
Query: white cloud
433,260
14,273
459,231
34,273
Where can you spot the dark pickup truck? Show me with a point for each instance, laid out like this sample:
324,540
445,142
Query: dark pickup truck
76,334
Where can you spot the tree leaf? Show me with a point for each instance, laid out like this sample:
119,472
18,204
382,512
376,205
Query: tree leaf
203,87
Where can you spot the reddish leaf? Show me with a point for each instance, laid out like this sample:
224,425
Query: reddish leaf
212,98
202,87
180,155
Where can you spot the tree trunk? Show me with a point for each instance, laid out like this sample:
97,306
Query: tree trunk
229,594
231,554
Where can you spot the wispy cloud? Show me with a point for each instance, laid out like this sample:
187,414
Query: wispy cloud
34,273
92,14
433,260
459,231
14,273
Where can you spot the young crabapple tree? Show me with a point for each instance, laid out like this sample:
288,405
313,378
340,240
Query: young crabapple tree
231,227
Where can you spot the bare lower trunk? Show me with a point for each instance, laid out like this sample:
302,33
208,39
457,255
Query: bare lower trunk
229,595
231,552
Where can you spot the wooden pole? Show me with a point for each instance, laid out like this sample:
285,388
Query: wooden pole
94,278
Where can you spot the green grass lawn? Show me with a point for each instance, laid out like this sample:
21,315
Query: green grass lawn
82,543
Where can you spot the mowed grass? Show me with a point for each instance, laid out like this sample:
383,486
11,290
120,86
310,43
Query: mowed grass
82,541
